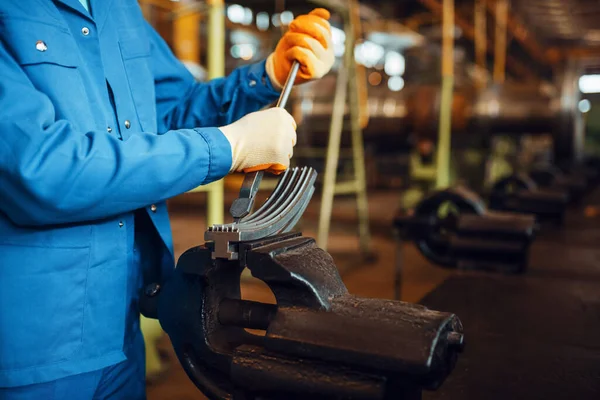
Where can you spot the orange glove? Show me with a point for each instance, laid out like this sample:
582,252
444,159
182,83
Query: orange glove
307,41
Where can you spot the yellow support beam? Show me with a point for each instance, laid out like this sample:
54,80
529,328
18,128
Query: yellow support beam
445,127
517,66
361,72
216,69
347,90
523,35
186,35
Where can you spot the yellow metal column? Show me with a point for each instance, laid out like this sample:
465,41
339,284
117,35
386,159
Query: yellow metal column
445,127
216,69
186,35
333,147
347,88
358,120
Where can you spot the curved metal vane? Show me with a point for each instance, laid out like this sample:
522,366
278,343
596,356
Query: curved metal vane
279,214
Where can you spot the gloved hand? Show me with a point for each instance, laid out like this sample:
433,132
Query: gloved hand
262,140
307,41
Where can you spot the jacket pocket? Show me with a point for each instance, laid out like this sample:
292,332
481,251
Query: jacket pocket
42,301
135,53
49,56
39,42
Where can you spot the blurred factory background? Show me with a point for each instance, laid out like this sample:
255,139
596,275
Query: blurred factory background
424,94
524,75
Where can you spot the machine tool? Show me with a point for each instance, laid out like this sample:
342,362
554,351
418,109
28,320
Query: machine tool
318,341
453,229
519,193
553,178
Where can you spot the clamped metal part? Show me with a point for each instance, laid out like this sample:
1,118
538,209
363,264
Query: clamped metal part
519,193
453,228
278,215
318,340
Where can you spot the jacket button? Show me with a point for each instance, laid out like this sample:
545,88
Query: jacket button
85,31
40,45
127,124
108,129
252,83
121,224
153,208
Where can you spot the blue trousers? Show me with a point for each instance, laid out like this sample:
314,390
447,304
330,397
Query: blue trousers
124,381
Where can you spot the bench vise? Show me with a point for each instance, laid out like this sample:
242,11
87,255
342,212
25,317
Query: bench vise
318,341
547,177
519,193
453,228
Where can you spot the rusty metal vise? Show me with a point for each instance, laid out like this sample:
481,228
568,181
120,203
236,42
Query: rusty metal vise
318,341
453,228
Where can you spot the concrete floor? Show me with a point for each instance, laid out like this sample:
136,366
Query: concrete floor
374,279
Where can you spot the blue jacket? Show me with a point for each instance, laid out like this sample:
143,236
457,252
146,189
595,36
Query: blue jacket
97,120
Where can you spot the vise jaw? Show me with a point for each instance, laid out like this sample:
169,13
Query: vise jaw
317,341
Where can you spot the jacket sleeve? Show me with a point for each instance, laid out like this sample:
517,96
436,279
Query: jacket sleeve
184,103
50,173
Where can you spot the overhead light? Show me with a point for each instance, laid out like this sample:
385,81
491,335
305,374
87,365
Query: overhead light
374,78
236,13
244,51
241,36
338,37
585,106
276,20
248,16
589,84
286,17
368,53
395,83
394,63
262,21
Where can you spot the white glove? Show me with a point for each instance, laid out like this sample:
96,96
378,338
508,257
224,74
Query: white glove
262,140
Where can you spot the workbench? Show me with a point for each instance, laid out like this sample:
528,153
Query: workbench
536,335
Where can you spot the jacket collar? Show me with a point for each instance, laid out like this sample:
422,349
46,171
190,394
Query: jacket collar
99,10
75,5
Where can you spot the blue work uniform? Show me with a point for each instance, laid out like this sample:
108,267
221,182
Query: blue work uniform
99,125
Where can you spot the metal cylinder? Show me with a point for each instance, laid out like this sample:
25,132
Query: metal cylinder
513,109
246,314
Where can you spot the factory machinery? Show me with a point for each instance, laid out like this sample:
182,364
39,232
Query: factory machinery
399,119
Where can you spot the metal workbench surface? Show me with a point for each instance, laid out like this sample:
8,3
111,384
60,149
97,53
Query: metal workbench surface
531,336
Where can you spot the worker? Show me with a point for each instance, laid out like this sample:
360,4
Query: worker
99,125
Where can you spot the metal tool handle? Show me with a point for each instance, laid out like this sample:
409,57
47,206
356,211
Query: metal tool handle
288,85
243,204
